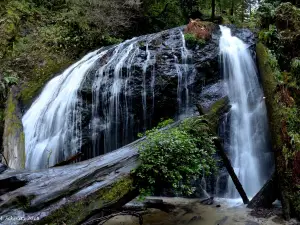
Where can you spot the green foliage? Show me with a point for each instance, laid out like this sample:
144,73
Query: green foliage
163,14
192,40
172,158
295,69
273,63
266,13
269,36
40,38
5,82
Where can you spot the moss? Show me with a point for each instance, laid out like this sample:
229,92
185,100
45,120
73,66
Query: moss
269,84
42,75
283,123
23,153
76,212
13,133
11,116
216,111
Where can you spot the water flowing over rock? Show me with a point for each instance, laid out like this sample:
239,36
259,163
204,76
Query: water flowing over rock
248,140
104,100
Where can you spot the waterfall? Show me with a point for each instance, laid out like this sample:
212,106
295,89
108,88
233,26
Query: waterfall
104,100
45,124
248,119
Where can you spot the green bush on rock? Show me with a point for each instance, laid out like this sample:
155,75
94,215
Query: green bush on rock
192,40
172,158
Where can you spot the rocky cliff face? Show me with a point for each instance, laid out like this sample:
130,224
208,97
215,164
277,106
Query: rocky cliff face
156,77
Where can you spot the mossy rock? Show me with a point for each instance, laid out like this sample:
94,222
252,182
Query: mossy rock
14,139
216,111
269,84
277,112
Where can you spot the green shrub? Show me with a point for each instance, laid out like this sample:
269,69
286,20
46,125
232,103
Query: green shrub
192,40
5,82
273,62
266,13
269,36
172,158
295,69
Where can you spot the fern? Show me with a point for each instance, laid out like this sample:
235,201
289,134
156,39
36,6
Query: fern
5,83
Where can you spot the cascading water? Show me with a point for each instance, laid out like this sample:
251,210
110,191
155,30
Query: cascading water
248,118
101,102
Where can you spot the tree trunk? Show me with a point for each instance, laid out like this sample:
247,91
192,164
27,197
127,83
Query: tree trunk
72,193
232,8
217,109
213,9
235,179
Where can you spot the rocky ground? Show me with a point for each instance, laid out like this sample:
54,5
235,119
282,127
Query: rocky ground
192,212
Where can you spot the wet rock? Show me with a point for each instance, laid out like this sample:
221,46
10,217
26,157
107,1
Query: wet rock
2,168
158,79
195,218
222,221
153,70
249,222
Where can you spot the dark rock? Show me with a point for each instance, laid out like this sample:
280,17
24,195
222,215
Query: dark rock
161,70
208,201
249,222
2,168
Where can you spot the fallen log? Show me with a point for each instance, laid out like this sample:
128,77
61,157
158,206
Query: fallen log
219,108
268,194
235,179
70,160
69,194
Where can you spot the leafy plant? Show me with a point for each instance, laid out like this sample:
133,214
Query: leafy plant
5,82
295,69
266,13
192,40
275,66
269,36
172,158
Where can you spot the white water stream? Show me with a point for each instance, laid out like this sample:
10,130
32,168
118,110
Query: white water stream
53,125
248,117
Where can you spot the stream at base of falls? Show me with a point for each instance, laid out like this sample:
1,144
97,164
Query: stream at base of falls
192,212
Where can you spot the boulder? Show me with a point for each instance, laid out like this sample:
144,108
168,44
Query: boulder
161,79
